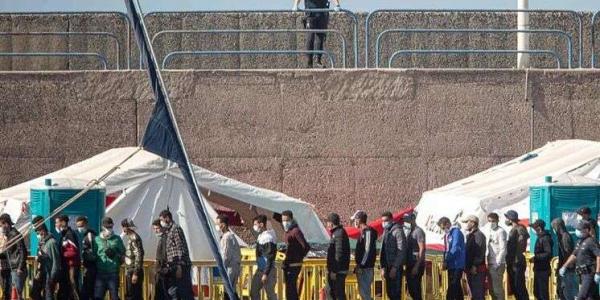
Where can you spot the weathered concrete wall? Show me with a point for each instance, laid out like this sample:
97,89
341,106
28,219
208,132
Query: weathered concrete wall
290,41
341,140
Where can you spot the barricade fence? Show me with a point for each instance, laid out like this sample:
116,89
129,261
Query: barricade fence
312,281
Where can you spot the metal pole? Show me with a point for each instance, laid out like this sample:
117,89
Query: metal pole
523,37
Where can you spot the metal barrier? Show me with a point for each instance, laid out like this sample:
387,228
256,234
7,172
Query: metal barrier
110,35
373,13
229,31
101,58
174,54
121,16
541,31
473,51
343,11
593,38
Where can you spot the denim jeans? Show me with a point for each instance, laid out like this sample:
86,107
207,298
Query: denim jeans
455,291
365,280
104,282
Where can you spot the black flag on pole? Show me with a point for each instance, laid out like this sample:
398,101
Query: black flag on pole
162,135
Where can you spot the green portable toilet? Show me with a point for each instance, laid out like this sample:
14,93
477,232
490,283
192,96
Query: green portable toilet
555,200
46,198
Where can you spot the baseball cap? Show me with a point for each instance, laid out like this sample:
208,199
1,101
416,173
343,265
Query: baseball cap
539,223
584,211
512,215
358,215
471,218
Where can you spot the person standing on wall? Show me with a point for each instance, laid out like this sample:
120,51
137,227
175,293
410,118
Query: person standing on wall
541,261
516,246
587,262
566,286
496,258
338,258
265,276
88,258
296,249
454,258
134,262
230,250
365,254
475,261
68,287
47,263
316,20
416,255
178,258
394,249
16,256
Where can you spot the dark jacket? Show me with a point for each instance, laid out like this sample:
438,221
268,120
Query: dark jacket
266,250
366,248
516,245
394,247
17,254
476,248
542,252
48,258
297,247
454,249
134,254
565,241
87,252
338,254
69,248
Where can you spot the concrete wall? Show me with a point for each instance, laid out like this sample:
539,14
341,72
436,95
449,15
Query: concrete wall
290,41
341,140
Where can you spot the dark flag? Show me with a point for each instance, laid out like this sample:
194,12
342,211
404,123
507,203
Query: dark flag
162,135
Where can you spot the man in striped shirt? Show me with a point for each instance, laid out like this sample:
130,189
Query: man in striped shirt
365,254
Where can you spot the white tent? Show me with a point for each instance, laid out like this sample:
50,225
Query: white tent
506,186
149,183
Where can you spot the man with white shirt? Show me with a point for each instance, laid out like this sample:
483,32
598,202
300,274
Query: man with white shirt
496,257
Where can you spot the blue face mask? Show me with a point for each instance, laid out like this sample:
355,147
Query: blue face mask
578,233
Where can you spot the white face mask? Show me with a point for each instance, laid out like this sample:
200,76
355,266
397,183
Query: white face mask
58,230
494,225
123,235
579,218
256,228
164,224
107,231
286,225
446,230
217,228
159,234
39,237
81,229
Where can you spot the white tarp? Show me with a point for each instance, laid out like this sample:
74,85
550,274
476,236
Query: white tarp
150,183
506,186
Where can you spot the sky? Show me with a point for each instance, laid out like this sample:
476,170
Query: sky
354,5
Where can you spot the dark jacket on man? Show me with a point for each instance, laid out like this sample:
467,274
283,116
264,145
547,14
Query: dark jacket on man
87,253
476,249
394,247
542,252
516,245
565,241
134,254
338,254
366,248
266,250
297,247
17,254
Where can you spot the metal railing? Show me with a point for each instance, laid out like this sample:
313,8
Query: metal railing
533,31
101,58
473,51
174,54
576,15
108,34
258,31
119,14
595,17
346,12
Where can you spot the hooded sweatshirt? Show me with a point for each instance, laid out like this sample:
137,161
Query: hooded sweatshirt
565,241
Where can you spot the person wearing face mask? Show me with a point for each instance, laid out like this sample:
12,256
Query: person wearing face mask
47,262
454,258
516,246
162,280
88,258
178,258
68,287
416,255
393,255
566,286
585,214
541,261
496,258
586,257
475,258
134,261
296,249
16,256
110,252
265,276
365,254
338,258
230,251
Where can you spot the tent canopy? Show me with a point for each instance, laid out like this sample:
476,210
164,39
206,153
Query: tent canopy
150,183
506,186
